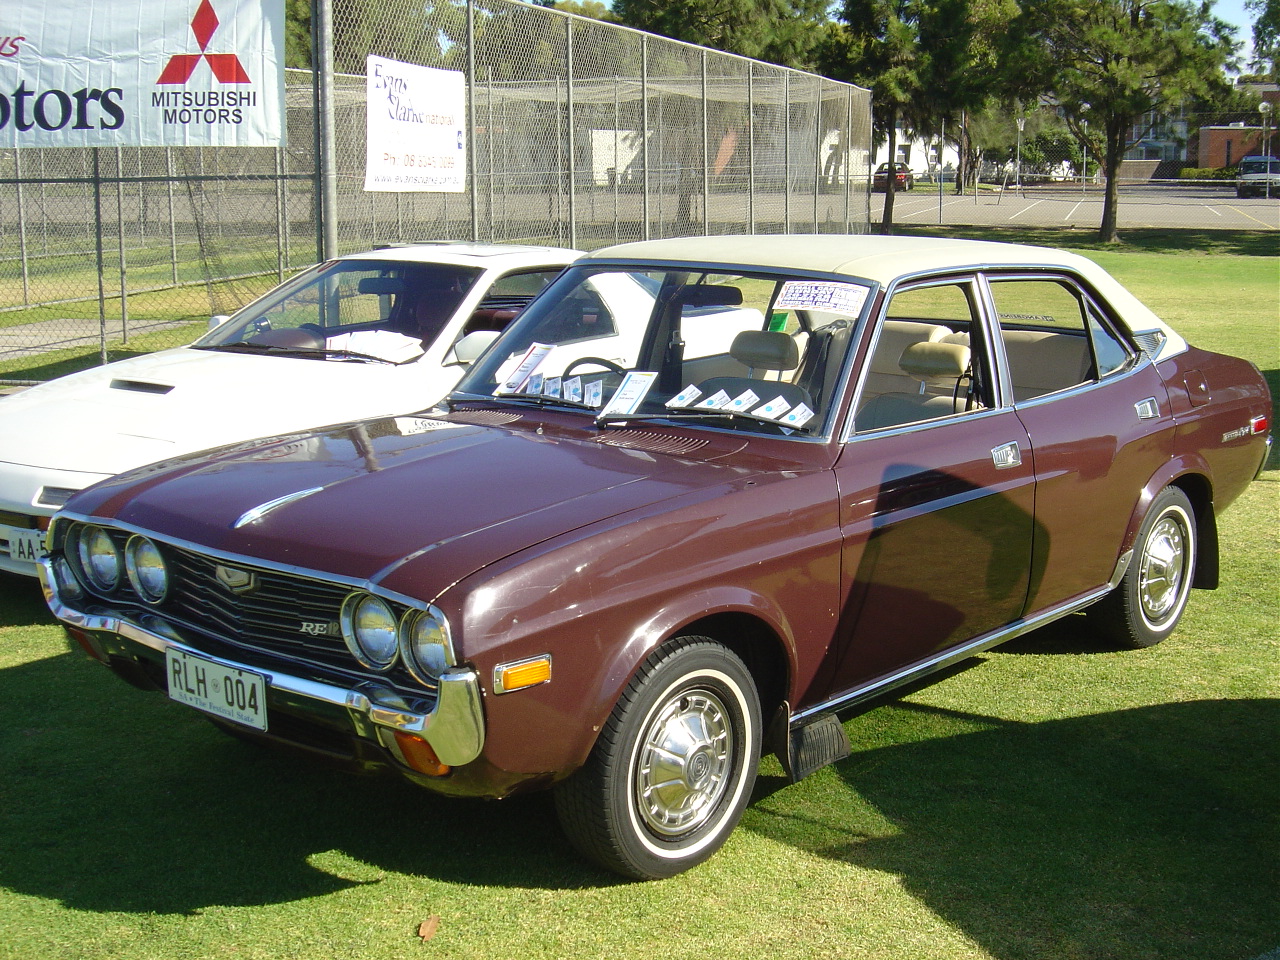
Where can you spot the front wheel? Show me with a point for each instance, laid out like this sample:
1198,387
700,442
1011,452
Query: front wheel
1149,601
673,767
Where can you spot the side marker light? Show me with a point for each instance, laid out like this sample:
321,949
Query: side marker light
523,673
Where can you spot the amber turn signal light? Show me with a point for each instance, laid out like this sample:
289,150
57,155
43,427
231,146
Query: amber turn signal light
418,754
523,673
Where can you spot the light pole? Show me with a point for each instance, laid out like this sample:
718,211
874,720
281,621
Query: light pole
1264,108
1017,167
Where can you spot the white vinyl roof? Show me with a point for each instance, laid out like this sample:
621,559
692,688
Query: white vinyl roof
885,259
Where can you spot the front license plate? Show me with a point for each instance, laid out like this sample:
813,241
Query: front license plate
26,545
227,692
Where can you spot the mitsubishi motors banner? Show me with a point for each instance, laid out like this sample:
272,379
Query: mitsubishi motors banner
141,73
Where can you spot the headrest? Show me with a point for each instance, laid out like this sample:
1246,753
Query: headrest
896,336
765,349
929,361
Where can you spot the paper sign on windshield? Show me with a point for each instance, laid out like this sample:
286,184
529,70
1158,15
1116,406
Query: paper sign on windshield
772,410
685,397
635,387
514,375
824,295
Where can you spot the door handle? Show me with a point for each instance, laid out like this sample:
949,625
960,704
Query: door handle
1007,455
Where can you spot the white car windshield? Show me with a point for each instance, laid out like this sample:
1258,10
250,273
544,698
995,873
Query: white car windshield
744,351
384,310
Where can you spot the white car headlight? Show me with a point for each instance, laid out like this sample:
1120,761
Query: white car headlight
370,630
146,568
98,558
428,648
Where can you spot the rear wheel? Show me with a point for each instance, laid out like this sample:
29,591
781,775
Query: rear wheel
673,767
1149,601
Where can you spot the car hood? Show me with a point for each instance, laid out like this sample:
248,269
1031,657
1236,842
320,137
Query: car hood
360,500
115,417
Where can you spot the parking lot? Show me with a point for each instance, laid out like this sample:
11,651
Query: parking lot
1077,206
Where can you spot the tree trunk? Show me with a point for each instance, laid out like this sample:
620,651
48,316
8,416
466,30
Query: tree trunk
891,181
1108,231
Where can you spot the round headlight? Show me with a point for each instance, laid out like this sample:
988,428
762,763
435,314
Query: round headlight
99,558
146,569
429,650
369,627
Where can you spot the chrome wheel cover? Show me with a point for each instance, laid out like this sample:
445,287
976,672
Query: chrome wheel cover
1163,569
684,763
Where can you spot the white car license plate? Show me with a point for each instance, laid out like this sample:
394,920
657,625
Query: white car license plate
227,692
26,545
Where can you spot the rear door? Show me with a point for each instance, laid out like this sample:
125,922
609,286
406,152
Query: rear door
1099,418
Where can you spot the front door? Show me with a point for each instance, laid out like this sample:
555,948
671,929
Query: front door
937,491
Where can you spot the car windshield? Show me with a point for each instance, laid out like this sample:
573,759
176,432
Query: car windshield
384,310
744,351
1259,166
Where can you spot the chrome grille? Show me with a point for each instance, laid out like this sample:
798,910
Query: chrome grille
269,618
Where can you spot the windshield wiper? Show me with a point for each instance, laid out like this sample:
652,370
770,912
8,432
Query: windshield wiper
604,420
245,346
542,400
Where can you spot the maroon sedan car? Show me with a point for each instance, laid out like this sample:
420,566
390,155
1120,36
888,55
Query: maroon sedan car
703,498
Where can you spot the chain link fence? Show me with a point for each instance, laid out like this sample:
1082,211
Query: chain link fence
581,134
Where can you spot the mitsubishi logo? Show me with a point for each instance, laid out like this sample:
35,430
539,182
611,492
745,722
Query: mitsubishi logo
225,66
235,579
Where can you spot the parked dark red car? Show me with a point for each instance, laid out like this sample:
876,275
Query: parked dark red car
699,498
904,179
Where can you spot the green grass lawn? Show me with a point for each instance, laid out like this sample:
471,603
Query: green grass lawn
1057,800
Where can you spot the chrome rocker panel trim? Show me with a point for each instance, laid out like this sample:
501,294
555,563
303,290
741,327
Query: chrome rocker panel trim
454,726
877,688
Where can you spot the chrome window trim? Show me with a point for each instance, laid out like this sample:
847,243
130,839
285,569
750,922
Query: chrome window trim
848,432
1090,301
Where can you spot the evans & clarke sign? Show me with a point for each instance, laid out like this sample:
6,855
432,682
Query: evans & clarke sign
151,73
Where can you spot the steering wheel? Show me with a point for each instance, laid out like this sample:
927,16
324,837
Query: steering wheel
600,361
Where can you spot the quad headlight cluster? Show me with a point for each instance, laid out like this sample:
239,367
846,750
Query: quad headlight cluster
378,633
376,636
94,560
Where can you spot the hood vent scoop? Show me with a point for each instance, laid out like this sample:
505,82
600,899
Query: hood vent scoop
652,442
483,418
141,386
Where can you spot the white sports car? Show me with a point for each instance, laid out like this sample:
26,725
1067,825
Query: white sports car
382,332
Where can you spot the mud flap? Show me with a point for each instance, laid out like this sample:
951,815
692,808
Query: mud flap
812,746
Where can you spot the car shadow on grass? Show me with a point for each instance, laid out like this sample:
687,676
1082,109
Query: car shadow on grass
112,799
1140,833
23,604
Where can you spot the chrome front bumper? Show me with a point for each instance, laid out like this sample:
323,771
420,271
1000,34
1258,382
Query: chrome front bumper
453,726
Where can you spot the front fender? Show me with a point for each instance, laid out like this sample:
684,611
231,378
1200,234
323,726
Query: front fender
599,604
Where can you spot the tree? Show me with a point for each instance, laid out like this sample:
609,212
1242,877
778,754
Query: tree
785,32
878,46
1266,35
586,8
1117,60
